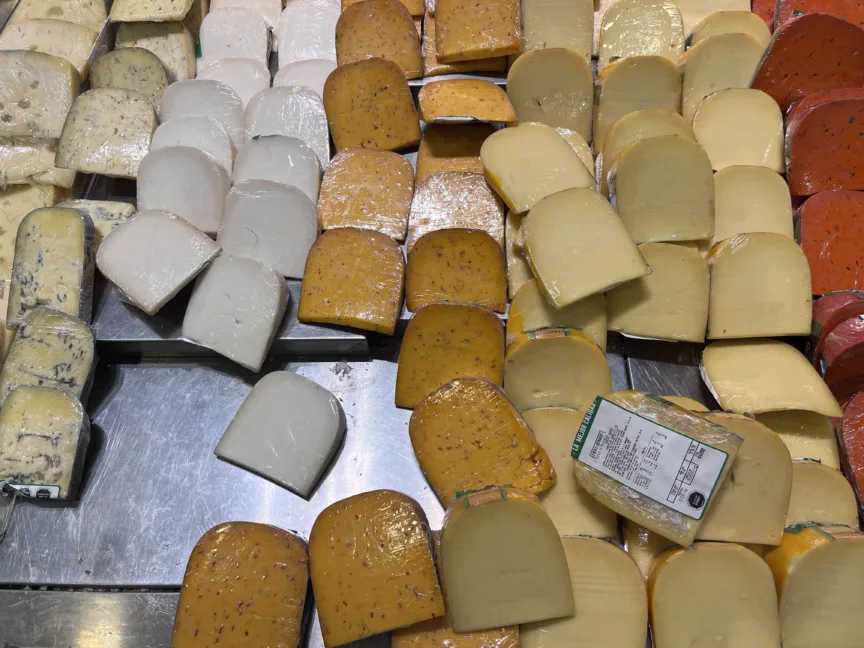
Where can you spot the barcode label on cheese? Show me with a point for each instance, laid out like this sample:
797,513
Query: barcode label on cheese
656,461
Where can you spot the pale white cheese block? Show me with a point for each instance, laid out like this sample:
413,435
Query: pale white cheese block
151,257
518,269
233,33
36,91
44,435
309,74
640,28
171,42
105,214
821,494
611,608
236,309
53,264
292,112
269,10
288,430
808,435
571,508
549,23
30,160
131,68
247,77
756,376
206,98
199,132
90,13
65,40
751,199
271,223
280,159
694,11
108,131
307,30
184,181
149,10
742,21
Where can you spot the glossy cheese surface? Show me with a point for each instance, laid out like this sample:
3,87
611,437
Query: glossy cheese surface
451,147
829,233
466,31
58,38
641,28
750,199
171,42
518,269
379,28
433,67
821,494
131,68
808,435
206,98
441,101
740,21
155,10
15,203
90,13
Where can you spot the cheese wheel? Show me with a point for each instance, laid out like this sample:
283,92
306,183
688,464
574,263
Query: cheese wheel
644,546
461,99
465,32
285,160
838,355
821,494
379,28
751,199
808,435
451,147
694,11
518,270
550,24
235,32
206,98
834,259
311,74
245,76
731,22
171,42
640,28
306,31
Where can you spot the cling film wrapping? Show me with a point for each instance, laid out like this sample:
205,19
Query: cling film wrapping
850,432
466,31
465,100
433,67
831,235
90,13
59,38
149,10
451,147
233,32
306,31
105,214
659,25
30,160
245,584
836,343
382,28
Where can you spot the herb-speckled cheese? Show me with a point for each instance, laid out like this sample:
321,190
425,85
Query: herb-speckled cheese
155,10
171,42
56,37
90,13
108,131
105,214
44,435
53,264
30,160
131,68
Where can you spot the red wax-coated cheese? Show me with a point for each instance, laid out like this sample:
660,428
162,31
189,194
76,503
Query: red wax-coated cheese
851,10
836,344
808,103
811,52
765,10
825,148
831,226
852,440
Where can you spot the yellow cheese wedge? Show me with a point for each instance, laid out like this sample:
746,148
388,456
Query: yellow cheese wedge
372,567
467,436
741,126
555,367
640,28
369,190
637,126
518,270
808,435
548,23
821,494
553,86
456,266
58,38
573,511
672,201
760,287
223,581
732,22
644,546
528,162
579,145
717,63
433,67
490,583
334,292
671,303
714,594
462,99
415,7
694,11
451,147
636,83
611,603
467,31
686,403
756,376
90,13
455,199
369,105
751,199
379,28
577,246
529,310
819,572
447,341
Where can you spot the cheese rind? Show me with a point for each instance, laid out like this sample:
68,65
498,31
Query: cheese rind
171,42
58,38
451,147
233,32
462,99
105,214
154,10
281,159
245,76
731,22
306,30
379,28
821,494
640,28
466,31
750,199
206,98
90,13
131,68
311,74
202,133
808,435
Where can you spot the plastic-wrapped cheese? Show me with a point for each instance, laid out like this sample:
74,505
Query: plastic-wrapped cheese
828,229
849,432
451,147
206,98
144,10
269,10
433,67
281,159
311,74
640,28
245,76
25,160
548,24
271,223
235,32
58,38
518,269
807,435
644,546
195,131
164,182
15,203
732,22
171,42
105,214
90,13
438,633
750,199
379,28
694,11
306,30
466,32
821,495
464,99
151,257
131,68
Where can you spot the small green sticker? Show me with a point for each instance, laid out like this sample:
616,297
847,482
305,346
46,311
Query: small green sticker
255,138
198,51
798,12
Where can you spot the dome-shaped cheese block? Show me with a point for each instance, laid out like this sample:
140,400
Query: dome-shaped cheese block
306,31
663,189
224,576
553,86
731,22
335,293
464,99
171,42
821,494
433,67
467,436
750,199
806,105
577,246
311,74
156,11
205,98
686,611
372,567
281,159
489,583
671,303
717,63
245,76
233,32
444,342
852,432
379,28
451,147
818,572
788,9
466,32
58,38
760,287
694,11
555,367
571,508
756,376
89,14
808,435
644,546
640,28
269,10
741,126
831,237
528,162
579,144
518,269
552,24
27,160
131,68
203,133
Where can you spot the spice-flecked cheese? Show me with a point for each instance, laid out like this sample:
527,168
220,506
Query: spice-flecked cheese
451,147
369,190
549,23
415,7
104,214
51,349
25,160
171,42
822,495
44,434
247,77
53,264
379,28
369,105
335,293
829,230
518,269
90,13
467,435
466,31
149,10
245,583
372,567
58,38
808,435
432,66
751,199
447,341
640,28
459,99
131,68
233,32
108,131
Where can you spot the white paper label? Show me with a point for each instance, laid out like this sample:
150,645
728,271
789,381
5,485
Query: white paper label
660,463
37,491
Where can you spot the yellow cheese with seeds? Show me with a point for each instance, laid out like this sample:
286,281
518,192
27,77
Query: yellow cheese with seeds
732,22
550,23
451,147
58,38
751,199
379,28
644,546
465,98
477,30
518,270
432,66
640,28
808,435
822,495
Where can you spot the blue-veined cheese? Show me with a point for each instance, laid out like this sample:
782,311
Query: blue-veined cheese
56,37
90,13
15,203
105,214
202,133
245,76
279,159
171,42
30,160
144,10
236,32
206,98
131,68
